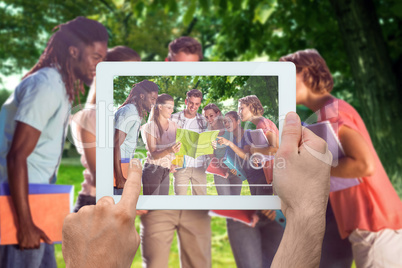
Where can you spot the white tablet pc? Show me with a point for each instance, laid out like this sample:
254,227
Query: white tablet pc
222,83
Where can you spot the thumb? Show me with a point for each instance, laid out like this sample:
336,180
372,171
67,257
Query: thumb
45,238
315,146
291,134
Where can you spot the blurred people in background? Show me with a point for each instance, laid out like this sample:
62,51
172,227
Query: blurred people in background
369,214
83,128
185,48
33,126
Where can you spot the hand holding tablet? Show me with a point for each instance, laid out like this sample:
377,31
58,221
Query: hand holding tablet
301,179
302,183
104,235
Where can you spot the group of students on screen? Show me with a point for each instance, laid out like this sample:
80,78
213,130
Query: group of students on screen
368,214
159,135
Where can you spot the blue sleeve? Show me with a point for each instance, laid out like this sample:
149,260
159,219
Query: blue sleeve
37,102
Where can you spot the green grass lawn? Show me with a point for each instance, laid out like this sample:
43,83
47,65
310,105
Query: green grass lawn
70,172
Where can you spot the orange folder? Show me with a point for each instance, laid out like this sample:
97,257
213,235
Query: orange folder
48,212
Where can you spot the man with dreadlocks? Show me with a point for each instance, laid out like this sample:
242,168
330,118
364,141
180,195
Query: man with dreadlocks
127,126
33,124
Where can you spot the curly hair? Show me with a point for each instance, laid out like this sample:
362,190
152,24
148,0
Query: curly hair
78,32
254,104
316,74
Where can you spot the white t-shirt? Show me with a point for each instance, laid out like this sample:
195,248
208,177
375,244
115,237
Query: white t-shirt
128,120
40,101
86,119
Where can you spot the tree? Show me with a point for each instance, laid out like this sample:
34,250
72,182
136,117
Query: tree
376,84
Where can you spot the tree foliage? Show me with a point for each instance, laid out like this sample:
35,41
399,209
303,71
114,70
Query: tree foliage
224,91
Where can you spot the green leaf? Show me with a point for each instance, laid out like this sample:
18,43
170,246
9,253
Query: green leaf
118,3
263,11
230,79
188,16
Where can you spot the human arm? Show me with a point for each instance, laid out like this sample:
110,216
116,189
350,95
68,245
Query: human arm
271,149
23,143
152,147
301,180
89,143
119,137
358,161
104,235
239,151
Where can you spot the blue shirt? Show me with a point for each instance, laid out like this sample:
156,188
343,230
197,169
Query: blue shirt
40,101
128,120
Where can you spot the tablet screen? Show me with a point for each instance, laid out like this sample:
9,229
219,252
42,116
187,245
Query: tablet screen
205,132
224,130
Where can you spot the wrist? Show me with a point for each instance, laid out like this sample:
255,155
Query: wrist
25,221
304,217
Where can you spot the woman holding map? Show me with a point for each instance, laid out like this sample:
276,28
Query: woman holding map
230,185
159,135
370,213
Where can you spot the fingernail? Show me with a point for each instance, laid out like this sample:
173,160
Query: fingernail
292,118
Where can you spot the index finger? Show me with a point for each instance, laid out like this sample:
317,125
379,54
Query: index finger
132,187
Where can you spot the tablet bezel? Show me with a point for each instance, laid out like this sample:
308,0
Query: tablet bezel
106,71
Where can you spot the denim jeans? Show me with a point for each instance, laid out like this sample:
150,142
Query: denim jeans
155,180
228,186
254,247
43,257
